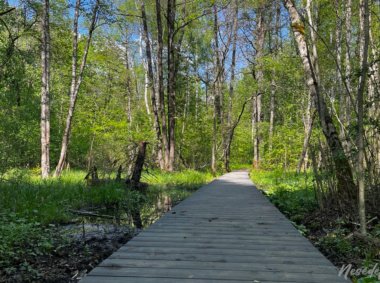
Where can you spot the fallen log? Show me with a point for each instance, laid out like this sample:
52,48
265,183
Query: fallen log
92,214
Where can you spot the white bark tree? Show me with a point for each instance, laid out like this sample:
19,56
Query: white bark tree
45,91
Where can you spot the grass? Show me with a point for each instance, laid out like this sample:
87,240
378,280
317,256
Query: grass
294,195
31,208
48,201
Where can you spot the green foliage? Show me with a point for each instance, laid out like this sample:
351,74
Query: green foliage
367,280
23,238
292,193
31,208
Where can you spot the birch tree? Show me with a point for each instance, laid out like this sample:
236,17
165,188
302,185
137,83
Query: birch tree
256,116
76,78
363,54
45,91
345,182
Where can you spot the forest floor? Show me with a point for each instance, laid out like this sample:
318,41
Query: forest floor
332,233
58,229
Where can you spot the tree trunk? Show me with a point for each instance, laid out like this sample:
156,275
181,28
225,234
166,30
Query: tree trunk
171,14
259,45
338,49
373,95
76,80
272,103
363,51
45,92
135,182
154,95
214,141
230,134
128,84
217,115
218,70
345,100
160,86
345,182
139,163
308,126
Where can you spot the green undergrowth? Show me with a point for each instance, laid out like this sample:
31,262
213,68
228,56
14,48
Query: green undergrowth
294,195
49,201
31,209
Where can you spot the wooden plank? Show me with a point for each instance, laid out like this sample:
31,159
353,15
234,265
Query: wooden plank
222,258
107,279
236,236
209,240
274,246
265,266
227,252
214,274
227,231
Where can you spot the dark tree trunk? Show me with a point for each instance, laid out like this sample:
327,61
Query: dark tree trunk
135,184
139,163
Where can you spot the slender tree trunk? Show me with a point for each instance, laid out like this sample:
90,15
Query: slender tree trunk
345,100
347,58
186,106
146,72
146,91
272,109
308,126
214,139
128,84
160,86
338,49
171,14
363,51
272,103
154,95
346,185
373,95
230,134
260,39
313,58
197,86
45,92
218,69
255,133
217,115
76,80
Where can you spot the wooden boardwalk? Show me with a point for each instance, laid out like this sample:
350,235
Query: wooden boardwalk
225,232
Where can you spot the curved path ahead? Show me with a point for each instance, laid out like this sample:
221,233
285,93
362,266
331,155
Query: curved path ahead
227,231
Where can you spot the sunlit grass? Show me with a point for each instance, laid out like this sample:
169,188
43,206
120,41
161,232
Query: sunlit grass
49,201
292,193
30,207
